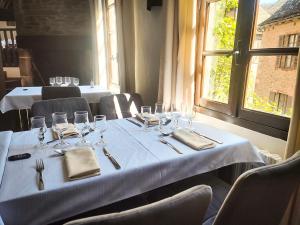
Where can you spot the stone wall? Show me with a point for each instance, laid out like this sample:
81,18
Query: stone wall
52,17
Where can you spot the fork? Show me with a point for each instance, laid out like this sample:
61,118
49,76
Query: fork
170,145
39,169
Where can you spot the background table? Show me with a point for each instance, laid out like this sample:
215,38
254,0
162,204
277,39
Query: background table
146,164
23,97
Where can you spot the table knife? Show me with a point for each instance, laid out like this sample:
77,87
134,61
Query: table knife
111,158
211,139
135,123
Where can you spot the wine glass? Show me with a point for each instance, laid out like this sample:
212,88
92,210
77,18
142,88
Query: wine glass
38,125
59,81
146,113
160,113
75,81
67,81
176,114
100,125
60,125
190,113
52,81
82,124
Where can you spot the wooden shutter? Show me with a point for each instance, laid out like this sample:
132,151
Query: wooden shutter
294,62
298,40
278,58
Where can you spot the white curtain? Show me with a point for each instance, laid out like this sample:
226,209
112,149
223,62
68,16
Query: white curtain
177,76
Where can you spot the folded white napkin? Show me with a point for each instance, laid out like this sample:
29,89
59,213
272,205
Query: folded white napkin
151,119
81,163
192,140
71,130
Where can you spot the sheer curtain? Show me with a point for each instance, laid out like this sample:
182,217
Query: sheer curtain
176,82
293,142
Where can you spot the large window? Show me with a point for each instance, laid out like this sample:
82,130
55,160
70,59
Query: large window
246,62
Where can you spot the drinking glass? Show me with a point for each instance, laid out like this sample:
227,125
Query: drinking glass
38,125
100,125
67,81
52,81
190,113
160,113
75,81
59,81
146,113
82,124
59,125
176,114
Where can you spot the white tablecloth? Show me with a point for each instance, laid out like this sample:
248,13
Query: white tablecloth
5,138
24,97
146,164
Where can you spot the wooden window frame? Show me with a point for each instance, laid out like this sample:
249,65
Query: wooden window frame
234,112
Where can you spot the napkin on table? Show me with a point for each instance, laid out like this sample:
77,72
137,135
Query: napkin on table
151,119
192,140
81,163
71,130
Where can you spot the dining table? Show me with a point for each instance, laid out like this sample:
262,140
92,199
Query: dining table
145,164
23,97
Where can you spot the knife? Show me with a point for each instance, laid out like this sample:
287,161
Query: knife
112,159
135,123
214,140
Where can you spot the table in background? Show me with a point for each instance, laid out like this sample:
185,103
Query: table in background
146,164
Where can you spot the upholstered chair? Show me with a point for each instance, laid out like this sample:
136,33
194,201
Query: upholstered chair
68,105
60,92
185,208
120,105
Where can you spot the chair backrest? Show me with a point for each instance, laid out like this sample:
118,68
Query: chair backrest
68,105
185,208
120,105
60,92
261,196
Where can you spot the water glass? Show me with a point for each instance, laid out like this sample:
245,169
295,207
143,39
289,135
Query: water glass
146,113
190,113
100,125
82,124
59,80
52,81
75,81
176,114
160,113
38,125
67,81
60,125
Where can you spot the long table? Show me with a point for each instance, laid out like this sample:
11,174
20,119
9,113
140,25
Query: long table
23,97
146,164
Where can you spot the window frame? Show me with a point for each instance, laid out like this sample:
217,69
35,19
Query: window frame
234,111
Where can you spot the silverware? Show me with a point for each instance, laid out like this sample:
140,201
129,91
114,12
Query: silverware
135,123
71,136
202,135
39,169
112,159
169,144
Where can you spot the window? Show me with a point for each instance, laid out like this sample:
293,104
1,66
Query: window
246,62
111,43
288,62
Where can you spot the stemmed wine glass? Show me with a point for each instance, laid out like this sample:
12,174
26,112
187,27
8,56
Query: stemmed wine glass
82,124
190,113
59,80
67,81
100,125
59,125
52,81
146,113
176,114
38,125
160,114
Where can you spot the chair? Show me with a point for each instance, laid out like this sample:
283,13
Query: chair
261,196
185,208
120,105
60,92
68,105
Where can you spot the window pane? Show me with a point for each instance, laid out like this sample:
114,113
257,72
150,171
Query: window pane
221,25
277,24
270,85
217,78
